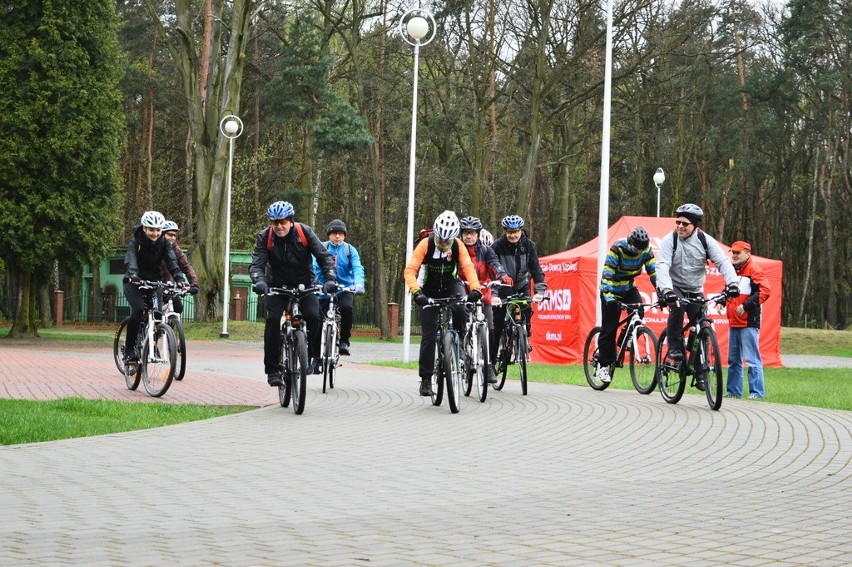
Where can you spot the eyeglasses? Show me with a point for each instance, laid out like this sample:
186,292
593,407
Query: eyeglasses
276,222
682,223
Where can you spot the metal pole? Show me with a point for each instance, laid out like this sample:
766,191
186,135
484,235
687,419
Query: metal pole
226,292
409,237
604,197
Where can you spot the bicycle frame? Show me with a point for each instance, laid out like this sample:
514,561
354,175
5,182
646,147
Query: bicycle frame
447,365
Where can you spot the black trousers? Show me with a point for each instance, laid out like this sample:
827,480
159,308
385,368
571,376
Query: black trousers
275,306
429,325
345,304
610,314
674,325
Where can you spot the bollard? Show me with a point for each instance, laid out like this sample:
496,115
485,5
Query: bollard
393,318
59,297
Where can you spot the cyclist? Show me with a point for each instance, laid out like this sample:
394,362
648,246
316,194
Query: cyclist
681,271
446,262
350,273
170,231
519,256
282,258
624,262
147,250
488,268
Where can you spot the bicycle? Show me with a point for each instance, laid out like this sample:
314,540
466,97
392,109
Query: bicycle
330,341
702,359
447,355
155,344
294,363
635,341
514,342
173,319
476,359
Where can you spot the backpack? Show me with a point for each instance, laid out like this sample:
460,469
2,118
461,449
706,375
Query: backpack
299,230
701,236
327,243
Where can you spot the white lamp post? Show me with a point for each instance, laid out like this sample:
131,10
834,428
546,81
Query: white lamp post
231,127
659,179
415,25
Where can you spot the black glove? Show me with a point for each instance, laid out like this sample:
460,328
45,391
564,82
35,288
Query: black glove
420,299
732,290
669,296
193,290
134,279
474,295
329,287
261,288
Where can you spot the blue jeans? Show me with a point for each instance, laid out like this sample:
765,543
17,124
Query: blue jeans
743,345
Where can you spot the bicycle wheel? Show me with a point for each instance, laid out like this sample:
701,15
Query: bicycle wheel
643,360
710,366
118,347
452,370
334,356
671,375
284,389
325,353
590,360
504,355
299,370
180,363
468,364
523,352
438,377
482,361
158,360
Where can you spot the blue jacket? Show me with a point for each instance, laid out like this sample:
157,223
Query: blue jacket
350,271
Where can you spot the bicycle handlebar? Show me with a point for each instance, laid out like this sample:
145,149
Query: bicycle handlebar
441,301
704,300
295,292
637,306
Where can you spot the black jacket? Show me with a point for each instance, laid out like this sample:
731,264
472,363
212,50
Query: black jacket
145,257
521,263
286,261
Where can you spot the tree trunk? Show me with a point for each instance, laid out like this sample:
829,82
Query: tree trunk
25,324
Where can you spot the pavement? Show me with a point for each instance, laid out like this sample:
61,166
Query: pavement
373,474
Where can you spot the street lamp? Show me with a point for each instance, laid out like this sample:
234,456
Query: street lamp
415,25
231,127
659,179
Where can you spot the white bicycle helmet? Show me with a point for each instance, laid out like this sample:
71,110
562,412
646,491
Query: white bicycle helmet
170,226
486,237
446,226
153,219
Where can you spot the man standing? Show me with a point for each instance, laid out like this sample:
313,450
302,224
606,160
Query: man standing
350,274
744,324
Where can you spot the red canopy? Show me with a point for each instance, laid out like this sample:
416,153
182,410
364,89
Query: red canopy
560,325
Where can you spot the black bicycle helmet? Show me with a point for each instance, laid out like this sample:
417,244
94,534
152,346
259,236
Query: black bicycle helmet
692,212
470,223
639,238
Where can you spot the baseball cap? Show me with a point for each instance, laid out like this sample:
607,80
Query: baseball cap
740,245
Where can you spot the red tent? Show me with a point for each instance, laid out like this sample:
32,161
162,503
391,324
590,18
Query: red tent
560,325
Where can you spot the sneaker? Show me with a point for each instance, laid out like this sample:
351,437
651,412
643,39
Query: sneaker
490,374
675,354
344,348
316,366
755,397
603,374
274,379
131,356
425,387
699,384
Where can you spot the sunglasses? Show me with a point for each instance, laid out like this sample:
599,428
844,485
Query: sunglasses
275,222
682,223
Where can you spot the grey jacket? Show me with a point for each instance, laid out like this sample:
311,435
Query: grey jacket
689,269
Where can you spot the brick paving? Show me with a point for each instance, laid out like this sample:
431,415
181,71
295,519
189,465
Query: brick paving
373,474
